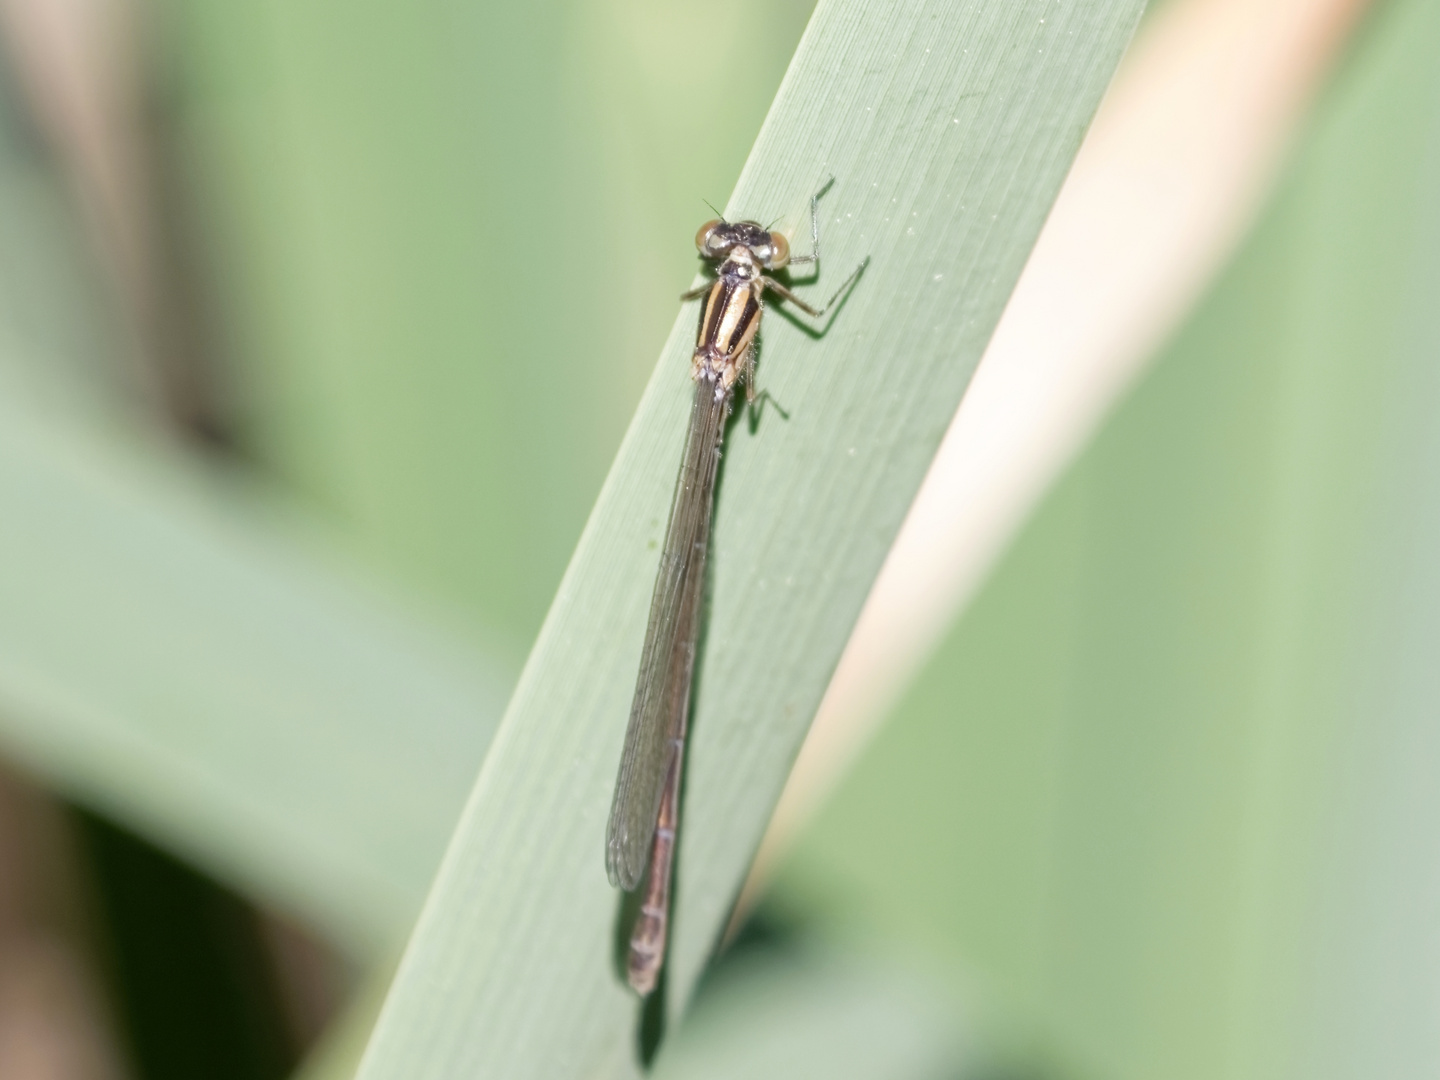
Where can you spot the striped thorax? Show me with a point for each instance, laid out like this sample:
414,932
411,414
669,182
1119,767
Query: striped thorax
731,315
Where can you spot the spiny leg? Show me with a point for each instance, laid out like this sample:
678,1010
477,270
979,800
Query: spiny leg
814,256
785,294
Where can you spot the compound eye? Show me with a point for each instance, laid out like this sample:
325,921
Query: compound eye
703,237
779,253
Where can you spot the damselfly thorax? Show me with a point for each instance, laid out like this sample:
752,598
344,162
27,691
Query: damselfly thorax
645,813
731,315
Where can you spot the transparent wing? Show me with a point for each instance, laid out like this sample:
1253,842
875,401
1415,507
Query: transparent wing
662,690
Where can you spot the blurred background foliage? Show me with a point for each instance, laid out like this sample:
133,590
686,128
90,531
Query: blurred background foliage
293,301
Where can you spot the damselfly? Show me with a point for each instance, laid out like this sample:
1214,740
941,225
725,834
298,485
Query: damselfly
645,813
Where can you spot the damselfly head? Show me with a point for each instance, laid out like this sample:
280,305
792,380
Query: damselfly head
716,239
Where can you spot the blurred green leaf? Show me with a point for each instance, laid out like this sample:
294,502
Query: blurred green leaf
176,654
949,131
1169,784
181,651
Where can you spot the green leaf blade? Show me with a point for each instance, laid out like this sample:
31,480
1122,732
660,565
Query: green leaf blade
949,133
